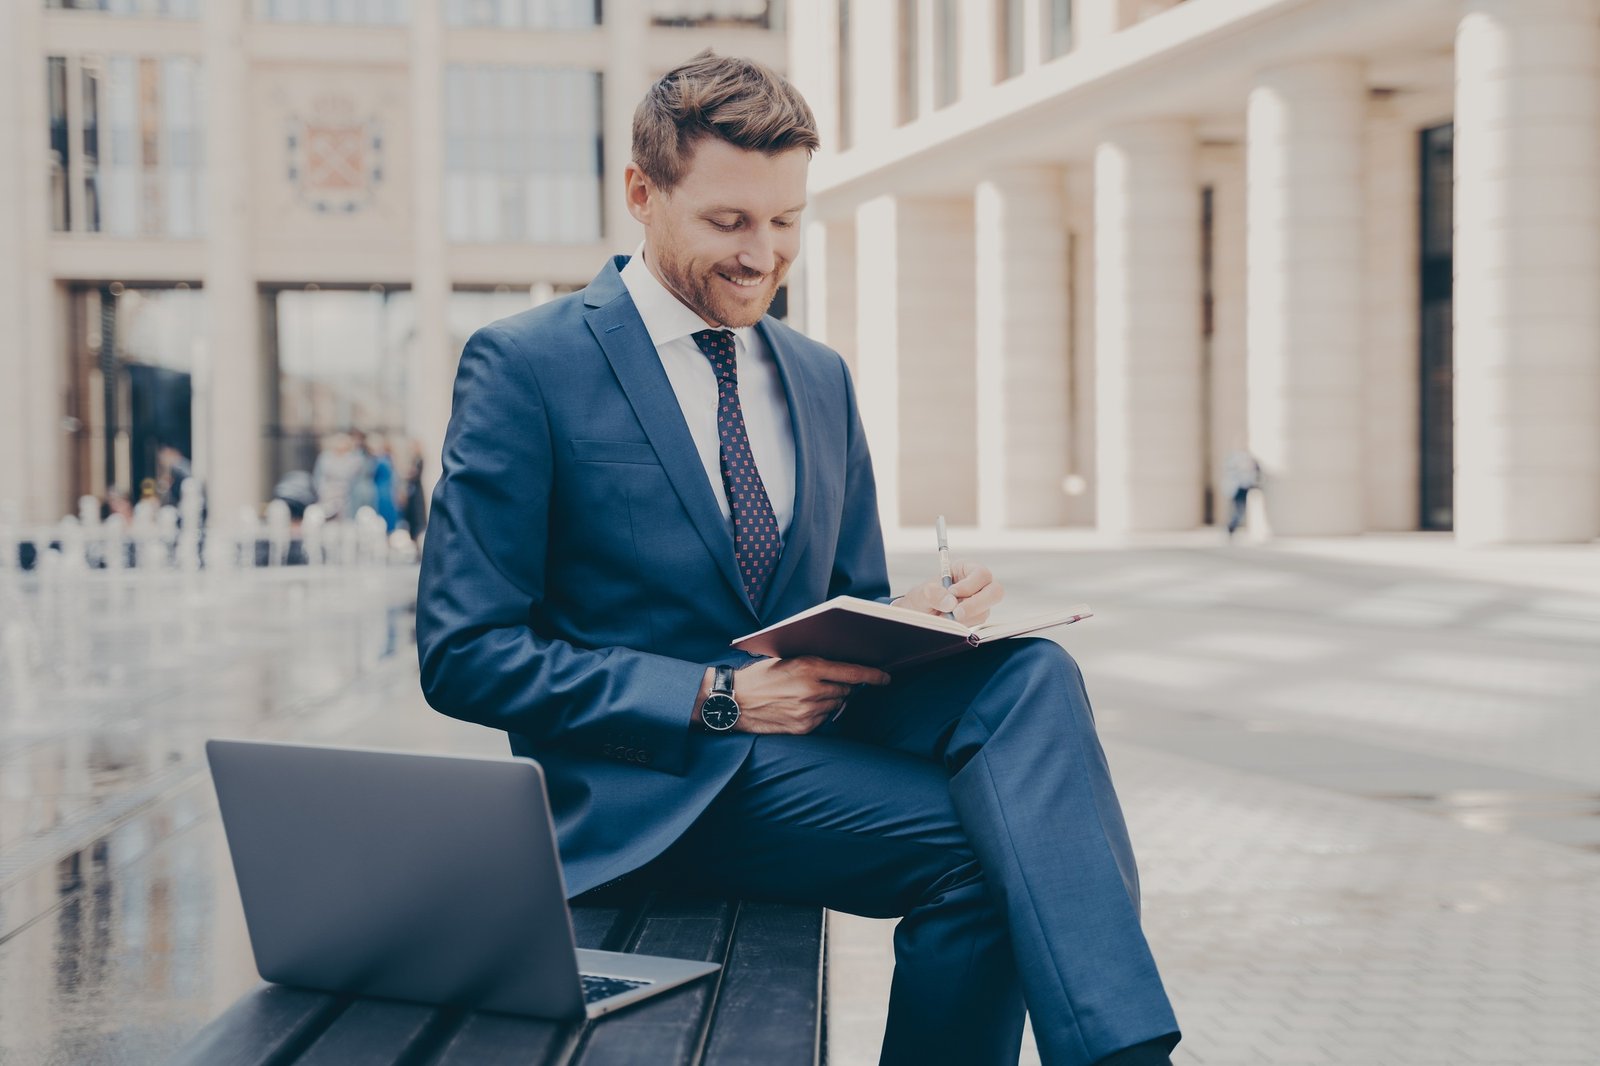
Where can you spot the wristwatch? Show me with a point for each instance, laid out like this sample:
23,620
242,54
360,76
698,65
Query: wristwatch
720,712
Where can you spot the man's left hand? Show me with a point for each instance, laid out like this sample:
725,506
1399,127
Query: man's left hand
972,596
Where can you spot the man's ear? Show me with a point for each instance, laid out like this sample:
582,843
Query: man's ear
640,193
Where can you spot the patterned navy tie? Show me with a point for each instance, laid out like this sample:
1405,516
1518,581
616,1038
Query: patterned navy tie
755,529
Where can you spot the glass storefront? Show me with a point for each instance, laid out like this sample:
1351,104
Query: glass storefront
128,385
338,359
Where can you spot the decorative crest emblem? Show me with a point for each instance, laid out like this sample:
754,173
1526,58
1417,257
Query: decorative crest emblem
335,157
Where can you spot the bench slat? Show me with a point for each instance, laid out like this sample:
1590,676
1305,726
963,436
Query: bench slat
507,1040
766,1004
607,928
377,1032
669,1027
769,1009
271,1024
503,1040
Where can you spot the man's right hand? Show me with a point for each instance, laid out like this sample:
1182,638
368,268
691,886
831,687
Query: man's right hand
795,695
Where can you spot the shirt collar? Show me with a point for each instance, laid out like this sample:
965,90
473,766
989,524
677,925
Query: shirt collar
666,318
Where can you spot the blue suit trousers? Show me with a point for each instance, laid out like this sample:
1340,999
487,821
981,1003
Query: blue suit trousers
970,798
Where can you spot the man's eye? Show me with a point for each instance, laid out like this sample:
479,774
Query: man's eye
726,227
783,223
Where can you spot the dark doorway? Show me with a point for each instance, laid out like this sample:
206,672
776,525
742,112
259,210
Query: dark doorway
160,400
1437,441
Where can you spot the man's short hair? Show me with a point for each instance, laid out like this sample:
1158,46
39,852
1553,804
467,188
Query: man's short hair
736,100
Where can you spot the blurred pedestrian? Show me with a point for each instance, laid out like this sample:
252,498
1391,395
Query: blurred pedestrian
363,488
414,510
337,468
116,503
176,473
383,481
1240,474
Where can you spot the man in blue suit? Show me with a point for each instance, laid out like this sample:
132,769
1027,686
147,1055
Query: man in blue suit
638,473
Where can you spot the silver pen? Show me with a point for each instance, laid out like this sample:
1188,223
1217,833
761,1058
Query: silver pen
944,561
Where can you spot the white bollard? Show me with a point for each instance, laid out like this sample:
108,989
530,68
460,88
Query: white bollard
70,535
191,506
278,523
115,532
246,531
312,526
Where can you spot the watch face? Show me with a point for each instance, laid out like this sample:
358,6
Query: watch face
719,712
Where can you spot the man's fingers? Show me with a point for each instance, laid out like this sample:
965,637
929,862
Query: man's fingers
847,673
970,577
975,608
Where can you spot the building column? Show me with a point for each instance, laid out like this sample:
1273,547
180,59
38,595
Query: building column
31,353
873,98
1306,129
829,284
1147,329
623,83
229,457
1527,267
1390,401
915,366
431,360
978,47
1094,20
1022,349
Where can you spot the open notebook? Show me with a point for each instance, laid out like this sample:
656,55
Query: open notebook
850,630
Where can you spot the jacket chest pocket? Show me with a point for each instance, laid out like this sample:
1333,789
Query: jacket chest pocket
628,452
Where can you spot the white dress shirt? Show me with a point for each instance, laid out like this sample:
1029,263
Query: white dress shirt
671,325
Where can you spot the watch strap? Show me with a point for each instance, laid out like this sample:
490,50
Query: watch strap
722,681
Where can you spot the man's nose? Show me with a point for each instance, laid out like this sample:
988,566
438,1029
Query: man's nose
757,255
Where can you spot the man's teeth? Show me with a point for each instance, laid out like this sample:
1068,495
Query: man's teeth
744,282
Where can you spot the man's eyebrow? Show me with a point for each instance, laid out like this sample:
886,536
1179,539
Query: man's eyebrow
730,210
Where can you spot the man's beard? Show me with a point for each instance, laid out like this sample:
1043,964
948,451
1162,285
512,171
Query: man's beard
699,292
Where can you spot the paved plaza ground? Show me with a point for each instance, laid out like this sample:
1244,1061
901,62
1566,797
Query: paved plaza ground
1362,778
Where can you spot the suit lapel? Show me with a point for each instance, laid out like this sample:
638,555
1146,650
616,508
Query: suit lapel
803,420
627,346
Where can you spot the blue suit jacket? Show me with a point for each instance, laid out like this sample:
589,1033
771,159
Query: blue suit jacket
578,575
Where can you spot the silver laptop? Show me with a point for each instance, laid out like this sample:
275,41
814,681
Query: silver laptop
432,878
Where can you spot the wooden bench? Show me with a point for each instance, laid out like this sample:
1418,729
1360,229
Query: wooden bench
765,1007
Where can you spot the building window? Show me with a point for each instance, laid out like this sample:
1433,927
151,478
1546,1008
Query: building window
346,12
947,63
1058,33
523,154
523,14
339,357
133,135
909,72
175,9
60,143
700,14
1009,38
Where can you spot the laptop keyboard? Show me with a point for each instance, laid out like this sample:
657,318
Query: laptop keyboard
596,987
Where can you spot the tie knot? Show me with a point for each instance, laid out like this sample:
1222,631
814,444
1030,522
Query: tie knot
717,346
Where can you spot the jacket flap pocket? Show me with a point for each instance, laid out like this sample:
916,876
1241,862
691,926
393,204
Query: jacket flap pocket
614,451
